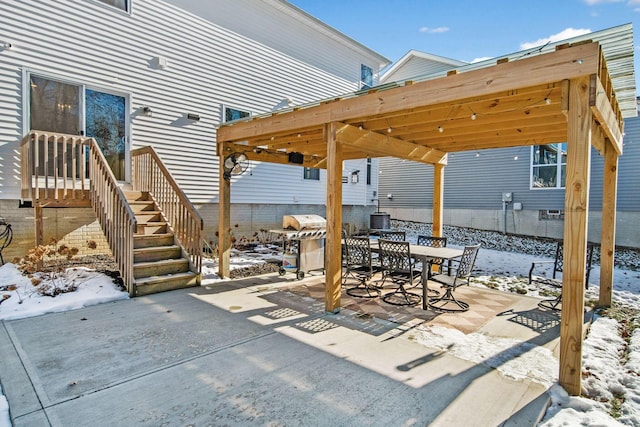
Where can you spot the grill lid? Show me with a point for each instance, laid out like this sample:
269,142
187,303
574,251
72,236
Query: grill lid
303,222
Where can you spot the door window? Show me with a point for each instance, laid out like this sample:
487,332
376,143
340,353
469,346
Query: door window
74,109
105,121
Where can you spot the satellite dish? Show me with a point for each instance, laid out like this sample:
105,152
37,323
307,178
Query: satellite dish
235,164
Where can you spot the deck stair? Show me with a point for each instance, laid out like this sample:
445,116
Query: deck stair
154,232
158,262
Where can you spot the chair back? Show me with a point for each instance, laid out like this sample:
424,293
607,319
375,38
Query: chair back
357,251
432,241
395,256
467,261
397,236
559,260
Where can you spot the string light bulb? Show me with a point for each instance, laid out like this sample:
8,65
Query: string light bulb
389,129
477,154
473,116
547,100
440,129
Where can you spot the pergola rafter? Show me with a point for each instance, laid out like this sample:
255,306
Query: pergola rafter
559,96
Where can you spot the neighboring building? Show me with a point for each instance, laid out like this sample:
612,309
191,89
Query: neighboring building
165,73
476,181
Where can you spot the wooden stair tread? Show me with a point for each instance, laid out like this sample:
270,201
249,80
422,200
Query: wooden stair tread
161,262
157,248
160,278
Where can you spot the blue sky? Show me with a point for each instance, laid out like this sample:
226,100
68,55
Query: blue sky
467,30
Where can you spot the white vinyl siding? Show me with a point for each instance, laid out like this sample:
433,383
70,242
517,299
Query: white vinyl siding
207,66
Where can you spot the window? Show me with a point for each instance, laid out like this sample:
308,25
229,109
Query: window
55,106
549,166
119,4
312,173
366,77
231,114
74,109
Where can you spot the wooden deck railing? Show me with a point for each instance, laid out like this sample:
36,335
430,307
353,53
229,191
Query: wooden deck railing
150,174
55,171
53,167
114,213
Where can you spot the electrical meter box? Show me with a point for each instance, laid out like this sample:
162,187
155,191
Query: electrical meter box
507,197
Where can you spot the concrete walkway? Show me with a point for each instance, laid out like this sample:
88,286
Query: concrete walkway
252,352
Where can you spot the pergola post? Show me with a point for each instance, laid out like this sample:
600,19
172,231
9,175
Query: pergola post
608,227
438,199
333,261
579,119
224,220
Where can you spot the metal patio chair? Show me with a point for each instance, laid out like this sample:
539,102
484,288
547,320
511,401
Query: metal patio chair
434,242
6,236
558,264
360,266
396,236
398,266
448,302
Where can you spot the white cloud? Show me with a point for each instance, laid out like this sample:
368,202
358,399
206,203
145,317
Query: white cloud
594,2
562,35
483,58
430,30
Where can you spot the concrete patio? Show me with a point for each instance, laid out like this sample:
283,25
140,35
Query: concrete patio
262,351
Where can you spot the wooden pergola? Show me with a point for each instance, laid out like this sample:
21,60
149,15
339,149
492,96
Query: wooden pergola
564,95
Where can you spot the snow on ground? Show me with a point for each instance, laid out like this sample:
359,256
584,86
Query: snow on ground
609,373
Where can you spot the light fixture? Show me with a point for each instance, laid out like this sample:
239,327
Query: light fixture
6,45
146,110
389,129
440,129
360,127
473,116
390,196
477,154
515,157
547,100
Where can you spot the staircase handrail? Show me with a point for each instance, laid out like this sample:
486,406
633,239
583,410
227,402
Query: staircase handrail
150,174
113,212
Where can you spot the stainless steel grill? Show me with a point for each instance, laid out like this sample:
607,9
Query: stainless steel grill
302,243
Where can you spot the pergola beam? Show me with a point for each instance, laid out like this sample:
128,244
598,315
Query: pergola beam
563,64
604,113
384,145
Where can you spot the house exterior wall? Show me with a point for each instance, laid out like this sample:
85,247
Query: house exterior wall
474,185
208,67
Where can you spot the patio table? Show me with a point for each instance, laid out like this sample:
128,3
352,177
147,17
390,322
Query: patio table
425,254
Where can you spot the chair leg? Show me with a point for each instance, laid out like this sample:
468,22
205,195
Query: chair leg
552,303
448,302
401,297
364,290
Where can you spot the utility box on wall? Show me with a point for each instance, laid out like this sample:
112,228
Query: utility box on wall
507,197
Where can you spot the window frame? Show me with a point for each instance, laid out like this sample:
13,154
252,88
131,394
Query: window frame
82,113
228,107
364,79
559,165
127,9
